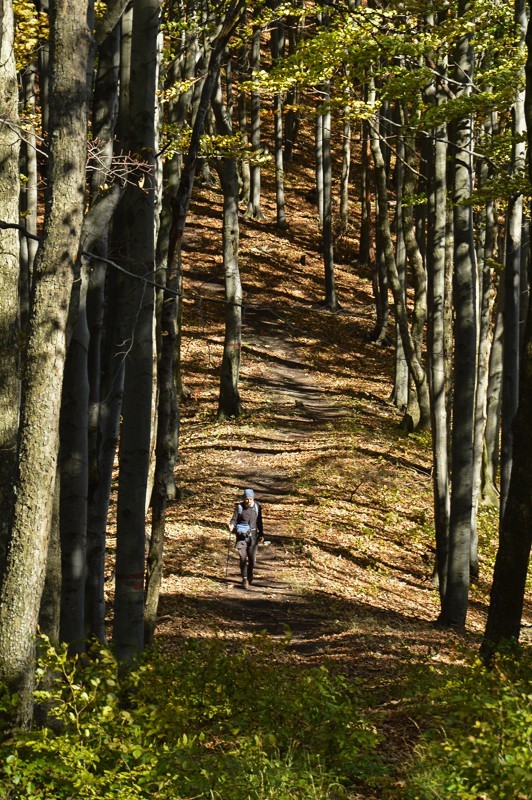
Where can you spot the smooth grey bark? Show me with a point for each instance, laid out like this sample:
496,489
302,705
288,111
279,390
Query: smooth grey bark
415,367
512,283
42,381
77,435
229,405
109,357
245,188
254,209
401,377
74,476
318,146
490,462
380,283
436,269
455,604
346,169
372,253
366,251
525,292
101,395
416,406
242,105
331,300
79,426
485,257
294,27
135,430
277,49
9,300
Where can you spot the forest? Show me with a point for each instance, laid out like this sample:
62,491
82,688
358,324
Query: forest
279,246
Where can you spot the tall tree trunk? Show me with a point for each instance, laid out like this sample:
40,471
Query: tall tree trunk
515,532
79,409
277,47
515,536
365,246
318,149
346,168
436,269
417,266
402,377
43,6
372,253
512,282
229,405
165,455
135,432
9,300
254,210
245,189
331,300
170,321
105,111
490,463
294,26
111,389
465,335
50,608
486,253
54,273
416,369
74,474
28,197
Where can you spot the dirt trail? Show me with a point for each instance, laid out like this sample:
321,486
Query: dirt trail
337,593
274,603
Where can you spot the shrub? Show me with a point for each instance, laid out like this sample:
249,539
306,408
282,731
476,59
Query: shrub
480,743
214,724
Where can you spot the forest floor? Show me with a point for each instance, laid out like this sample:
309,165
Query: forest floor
345,576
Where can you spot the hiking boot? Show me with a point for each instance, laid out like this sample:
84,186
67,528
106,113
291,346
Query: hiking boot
250,579
245,583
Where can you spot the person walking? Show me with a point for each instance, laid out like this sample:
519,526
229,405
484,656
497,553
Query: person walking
246,522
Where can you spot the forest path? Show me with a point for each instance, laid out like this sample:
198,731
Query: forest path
274,602
331,579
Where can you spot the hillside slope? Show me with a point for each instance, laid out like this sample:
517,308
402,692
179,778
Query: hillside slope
347,495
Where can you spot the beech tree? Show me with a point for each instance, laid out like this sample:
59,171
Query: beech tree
45,357
9,307
515,532
425,126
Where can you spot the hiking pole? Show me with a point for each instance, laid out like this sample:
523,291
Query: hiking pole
228,551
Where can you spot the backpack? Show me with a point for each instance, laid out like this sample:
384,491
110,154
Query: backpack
242,528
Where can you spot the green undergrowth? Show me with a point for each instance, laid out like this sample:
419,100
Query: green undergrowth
243,722
213,722
477,730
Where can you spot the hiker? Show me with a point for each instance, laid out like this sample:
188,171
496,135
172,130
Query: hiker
247,524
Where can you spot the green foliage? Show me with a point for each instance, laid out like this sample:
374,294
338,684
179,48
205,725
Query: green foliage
217,724
479,743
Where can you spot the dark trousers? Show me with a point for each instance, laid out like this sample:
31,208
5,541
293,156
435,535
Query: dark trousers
247,550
